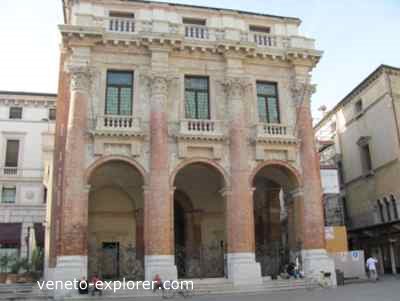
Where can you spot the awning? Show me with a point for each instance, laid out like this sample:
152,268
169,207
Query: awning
39,234
10,233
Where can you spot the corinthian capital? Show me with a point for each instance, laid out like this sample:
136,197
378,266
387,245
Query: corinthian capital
235,87
81,77
301,92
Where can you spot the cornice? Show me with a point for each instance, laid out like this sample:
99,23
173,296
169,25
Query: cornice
194,137
26,102
116,133
74,35
276,140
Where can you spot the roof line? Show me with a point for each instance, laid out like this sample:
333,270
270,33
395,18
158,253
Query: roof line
27,93
350,94
218,9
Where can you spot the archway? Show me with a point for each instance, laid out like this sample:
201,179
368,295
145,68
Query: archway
275,235
115,222
199,221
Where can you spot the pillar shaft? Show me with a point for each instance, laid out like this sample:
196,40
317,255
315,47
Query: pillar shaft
75,205
313,216
240,215
242,267
158,206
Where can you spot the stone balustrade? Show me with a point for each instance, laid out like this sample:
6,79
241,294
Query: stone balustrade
201,32
201,127
274,130
197,32
21,172
123,25
117,123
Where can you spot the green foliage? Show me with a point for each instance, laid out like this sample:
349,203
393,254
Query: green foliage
4,263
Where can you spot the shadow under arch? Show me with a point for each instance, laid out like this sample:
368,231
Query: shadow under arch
199,218
275,183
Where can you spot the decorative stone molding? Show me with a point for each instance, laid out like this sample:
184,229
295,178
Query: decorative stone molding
301,92
81,78
235,87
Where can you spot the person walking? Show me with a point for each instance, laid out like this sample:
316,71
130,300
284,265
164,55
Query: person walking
371,267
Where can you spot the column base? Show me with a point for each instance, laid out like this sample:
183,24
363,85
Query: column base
243,269
68,268
317,260
163,265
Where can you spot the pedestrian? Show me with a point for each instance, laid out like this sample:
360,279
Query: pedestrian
97,285
83,287
371,267
157,283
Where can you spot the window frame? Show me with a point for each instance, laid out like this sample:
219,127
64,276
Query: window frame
132,86
10,112
195,91
266,96
50,114
5,187
18,152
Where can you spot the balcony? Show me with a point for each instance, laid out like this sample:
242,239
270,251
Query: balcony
275,132
197,32
122,25
117,124
201,128
21,172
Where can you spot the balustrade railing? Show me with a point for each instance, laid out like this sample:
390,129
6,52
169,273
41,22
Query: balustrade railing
274,130
10,171
201,127
117,122
21,172
124,25
197,32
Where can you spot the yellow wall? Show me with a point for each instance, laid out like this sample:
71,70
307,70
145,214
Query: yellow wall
336,239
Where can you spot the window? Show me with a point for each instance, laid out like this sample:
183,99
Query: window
119,93
16,113
267,99
358,106
118,14
12,150
380,206
8,194
387,204
258,28
197,104
52,114
395,211
366,158
193,21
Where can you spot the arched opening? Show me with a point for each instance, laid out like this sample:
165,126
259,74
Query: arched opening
199,221
115,221
274,220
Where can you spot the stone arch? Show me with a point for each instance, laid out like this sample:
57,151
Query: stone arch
290,170
204,161
110,158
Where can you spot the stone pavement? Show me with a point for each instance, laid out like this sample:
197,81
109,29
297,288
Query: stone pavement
387,289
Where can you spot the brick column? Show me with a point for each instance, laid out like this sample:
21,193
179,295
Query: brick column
72,256
314,255
242,267
158,219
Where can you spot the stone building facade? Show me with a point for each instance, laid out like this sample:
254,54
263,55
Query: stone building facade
365,139
26,123
181,132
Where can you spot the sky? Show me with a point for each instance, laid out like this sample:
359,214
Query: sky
355,35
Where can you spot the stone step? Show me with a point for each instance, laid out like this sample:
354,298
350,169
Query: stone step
210,288
22,291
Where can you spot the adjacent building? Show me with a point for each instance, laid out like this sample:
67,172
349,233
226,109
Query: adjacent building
181,133
362,133
26,121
